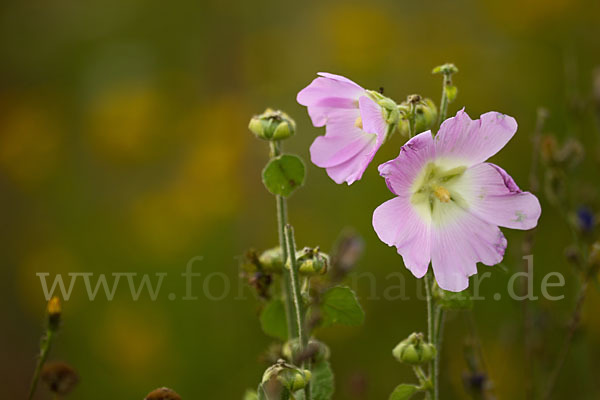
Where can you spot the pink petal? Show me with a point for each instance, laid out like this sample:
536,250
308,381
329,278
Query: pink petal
327,93
342,141
372,117
353,169
471,141
401,172
494,197
459,241
397,224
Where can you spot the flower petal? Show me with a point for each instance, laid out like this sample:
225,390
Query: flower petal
473,142
459,240
372,117
352,170
328,93
494,197
342,141
397,224
401,172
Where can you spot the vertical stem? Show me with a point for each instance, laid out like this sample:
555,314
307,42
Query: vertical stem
412,120
438,329
430,333
297,296
44,350
282,220
443,101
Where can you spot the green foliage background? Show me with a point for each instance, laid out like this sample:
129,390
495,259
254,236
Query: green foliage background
123,147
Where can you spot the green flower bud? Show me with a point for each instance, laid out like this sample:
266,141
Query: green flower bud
391,114
315,351
426,116
312,261
270,259
445,69
453,300
414,350
272,125
289,376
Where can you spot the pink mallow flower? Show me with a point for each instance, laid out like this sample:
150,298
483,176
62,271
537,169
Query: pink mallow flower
450,202
356,125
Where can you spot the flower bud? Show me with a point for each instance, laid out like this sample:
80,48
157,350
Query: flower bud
59,377
54,310
426,115
289,376
445,69
163,394
414,350
272,125
315,351
270,259
312,261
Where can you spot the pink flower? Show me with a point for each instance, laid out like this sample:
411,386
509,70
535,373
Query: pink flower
355,125
450,202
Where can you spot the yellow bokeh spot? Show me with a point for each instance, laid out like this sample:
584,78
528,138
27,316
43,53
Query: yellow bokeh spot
29,141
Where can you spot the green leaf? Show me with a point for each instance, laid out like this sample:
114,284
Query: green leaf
284,174
321,382
250,395
404,392
451,92
272,319
340,306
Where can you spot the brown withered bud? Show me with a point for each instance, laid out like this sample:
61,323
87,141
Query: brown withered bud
548,148
59,377
345,254
163,393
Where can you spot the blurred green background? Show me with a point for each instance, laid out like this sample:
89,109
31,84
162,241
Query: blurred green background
124,148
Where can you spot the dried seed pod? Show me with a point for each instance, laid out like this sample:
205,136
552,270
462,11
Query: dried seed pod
59,377
163,393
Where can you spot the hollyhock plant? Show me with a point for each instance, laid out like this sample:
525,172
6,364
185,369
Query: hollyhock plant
450,202
357,123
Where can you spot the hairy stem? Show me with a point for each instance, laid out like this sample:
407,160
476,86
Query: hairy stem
438,329
296,294
282,220
430,332
44,350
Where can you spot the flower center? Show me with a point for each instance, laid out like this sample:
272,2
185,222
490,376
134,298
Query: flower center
436,185
358,122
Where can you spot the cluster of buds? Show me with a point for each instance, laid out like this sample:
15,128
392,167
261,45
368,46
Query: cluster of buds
284,378
272,125
414,350
426,114
315,351
311,261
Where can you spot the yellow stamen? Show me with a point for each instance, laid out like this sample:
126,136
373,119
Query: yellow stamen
358,122
442,194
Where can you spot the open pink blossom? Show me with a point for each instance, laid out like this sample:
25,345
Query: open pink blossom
450,202
355,126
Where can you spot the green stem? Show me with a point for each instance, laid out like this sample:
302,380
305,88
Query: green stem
443,101
412,121
282,220
44,350
430,332
297,296
438,329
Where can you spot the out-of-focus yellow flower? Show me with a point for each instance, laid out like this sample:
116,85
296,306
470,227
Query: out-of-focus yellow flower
29,141
357,33
124,120
205,184
133,341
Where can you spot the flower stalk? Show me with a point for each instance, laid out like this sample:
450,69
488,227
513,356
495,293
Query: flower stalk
54,311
